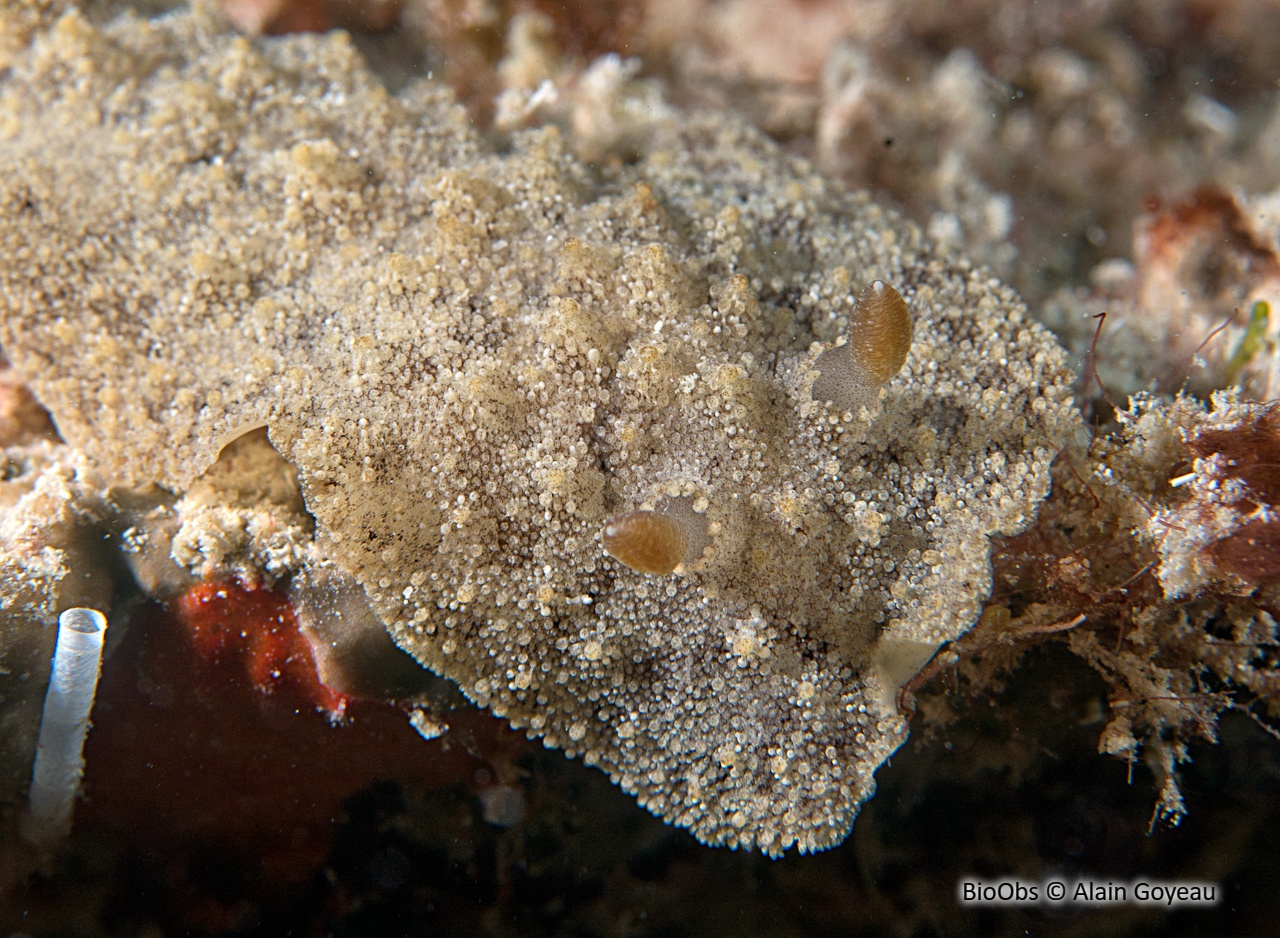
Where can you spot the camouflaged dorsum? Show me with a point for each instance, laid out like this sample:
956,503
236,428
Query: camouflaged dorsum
476,360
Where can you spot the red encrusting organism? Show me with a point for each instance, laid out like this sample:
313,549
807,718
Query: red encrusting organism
231,624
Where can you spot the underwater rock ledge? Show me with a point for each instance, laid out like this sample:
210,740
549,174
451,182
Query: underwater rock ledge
475,359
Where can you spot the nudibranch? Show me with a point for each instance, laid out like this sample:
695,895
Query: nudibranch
475,360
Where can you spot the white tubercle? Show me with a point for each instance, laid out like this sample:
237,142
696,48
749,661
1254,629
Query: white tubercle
59,762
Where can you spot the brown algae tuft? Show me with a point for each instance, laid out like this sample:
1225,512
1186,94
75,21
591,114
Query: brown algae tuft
475,360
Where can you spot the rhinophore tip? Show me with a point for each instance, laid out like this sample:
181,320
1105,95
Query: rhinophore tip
658,541
880,332
850,375
646,541
59,762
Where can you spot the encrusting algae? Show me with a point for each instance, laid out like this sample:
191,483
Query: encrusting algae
475,360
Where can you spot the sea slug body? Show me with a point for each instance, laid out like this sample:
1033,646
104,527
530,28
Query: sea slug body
475,360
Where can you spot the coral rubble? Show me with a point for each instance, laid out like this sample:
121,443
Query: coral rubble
474,359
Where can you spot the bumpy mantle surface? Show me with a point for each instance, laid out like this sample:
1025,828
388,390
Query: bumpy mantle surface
475,359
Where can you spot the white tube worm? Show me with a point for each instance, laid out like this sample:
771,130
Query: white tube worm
59,762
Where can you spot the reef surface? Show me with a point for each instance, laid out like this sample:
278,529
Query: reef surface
475,358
